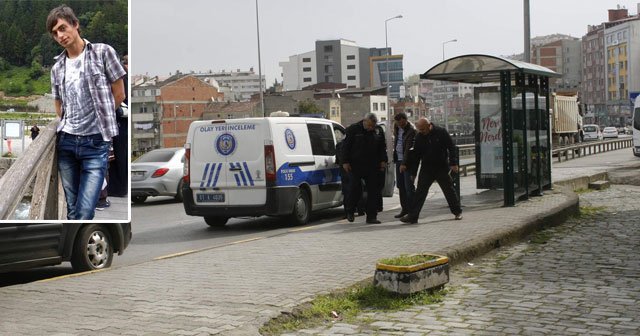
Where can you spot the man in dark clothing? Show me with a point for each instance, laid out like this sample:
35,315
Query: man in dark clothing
433,147
345,179
364,156
403,134
35,130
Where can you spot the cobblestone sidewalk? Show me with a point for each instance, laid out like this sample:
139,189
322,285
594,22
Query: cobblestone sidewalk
584,280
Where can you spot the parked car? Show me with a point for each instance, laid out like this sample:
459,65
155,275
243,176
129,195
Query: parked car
157,173
86,246
609,132
591,132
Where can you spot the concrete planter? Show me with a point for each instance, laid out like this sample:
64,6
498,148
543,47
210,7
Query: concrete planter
413,278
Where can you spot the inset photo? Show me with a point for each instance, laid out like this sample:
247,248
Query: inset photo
64,154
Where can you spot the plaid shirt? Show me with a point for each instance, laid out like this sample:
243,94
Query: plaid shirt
102,68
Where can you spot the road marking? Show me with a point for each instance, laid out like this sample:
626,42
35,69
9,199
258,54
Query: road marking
73,275
304,228
179,254
246,240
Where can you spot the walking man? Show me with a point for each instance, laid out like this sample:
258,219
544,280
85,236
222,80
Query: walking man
87,85
35,130
364,156
404,134
434,150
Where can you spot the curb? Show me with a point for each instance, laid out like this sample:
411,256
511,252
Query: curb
480,246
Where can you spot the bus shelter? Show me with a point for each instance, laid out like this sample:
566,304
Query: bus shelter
511,119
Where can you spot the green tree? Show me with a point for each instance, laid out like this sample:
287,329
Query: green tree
309,107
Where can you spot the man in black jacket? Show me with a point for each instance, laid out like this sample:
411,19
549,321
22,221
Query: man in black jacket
403,134
434,148
364,156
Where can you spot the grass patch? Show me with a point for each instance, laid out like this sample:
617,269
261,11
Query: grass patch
348,304
583,191
589,211
26,116
17,81
541,237
408,260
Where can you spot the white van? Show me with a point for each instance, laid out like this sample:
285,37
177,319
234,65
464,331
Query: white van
591,132
277,166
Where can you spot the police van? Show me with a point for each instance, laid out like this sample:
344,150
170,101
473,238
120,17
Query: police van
276,166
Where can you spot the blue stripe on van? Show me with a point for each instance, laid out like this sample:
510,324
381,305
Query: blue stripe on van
237,179
215,180
204,176
213,167
246,168
244,180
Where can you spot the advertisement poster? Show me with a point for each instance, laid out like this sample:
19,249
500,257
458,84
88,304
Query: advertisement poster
490,134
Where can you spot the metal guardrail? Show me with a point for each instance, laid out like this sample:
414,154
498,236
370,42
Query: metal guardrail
563,154
37,162
590,148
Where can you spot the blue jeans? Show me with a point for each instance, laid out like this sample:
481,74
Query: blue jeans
406,189
82,163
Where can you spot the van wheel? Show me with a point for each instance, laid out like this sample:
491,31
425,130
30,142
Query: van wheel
301,209
216,221
92,249
178,196
138,199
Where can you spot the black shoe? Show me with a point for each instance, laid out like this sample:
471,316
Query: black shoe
350,216
373,221
408,219
400,215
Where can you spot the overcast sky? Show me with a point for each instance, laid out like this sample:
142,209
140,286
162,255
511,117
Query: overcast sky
202,35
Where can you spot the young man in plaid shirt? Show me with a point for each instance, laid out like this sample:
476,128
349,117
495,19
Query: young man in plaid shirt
87,85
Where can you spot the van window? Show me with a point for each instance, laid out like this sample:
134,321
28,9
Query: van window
321,136
589,128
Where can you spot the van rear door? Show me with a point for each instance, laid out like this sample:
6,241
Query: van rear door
229,162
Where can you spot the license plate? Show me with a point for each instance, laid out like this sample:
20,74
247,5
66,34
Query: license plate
137,174
212,198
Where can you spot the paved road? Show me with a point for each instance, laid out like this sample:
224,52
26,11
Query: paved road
584,280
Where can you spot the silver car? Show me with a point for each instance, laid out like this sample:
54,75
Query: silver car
157,173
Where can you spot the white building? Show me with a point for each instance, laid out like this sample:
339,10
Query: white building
237,85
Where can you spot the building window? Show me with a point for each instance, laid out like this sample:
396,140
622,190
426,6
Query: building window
328,68
351,66
307,69
351,57
375,106
307,79
306,60
334,112
328,48
351,77
383,106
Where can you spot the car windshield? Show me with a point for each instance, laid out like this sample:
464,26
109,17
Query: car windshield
589,128
156,156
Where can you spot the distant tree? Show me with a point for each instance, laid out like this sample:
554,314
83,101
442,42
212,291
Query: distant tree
309,107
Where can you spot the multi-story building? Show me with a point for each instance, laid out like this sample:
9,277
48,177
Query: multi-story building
240,85
144,112
592,90
611,68
342,61
622,43
563,56
163,110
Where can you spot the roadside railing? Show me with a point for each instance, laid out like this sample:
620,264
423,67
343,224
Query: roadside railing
562,153
37,163
590,148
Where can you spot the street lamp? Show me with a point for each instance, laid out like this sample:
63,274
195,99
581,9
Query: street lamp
259,62
386,84
444,109
445,42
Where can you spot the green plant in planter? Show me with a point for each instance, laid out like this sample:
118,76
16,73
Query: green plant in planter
408,260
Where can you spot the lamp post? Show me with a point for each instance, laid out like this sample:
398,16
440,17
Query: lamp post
386,84
444,109
445,42
259,62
